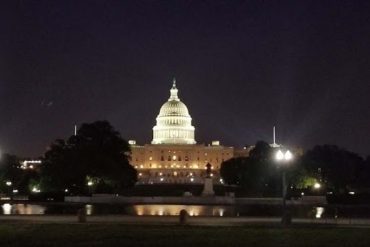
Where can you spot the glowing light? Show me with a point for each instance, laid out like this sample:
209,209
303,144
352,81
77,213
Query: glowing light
15,191
26,162
140,174
7,208
132,142
89,209
8,183
90,183
317,186
66,190
221,212
174,157
191,179
279,155
351,193
319,212
161,179
36,190
288,155
302,194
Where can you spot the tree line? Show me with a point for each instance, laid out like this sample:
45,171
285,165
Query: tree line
96,159
324,168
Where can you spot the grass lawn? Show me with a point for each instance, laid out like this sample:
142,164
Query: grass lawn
16,234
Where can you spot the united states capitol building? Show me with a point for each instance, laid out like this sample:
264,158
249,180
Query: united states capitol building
174,155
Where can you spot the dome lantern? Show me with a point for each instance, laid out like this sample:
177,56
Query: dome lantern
174,91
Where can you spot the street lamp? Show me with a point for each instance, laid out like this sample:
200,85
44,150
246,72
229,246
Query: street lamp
90,184
284,158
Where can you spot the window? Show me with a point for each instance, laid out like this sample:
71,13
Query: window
162,158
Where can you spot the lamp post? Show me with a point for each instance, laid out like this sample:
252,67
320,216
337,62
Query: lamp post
90,184
284,158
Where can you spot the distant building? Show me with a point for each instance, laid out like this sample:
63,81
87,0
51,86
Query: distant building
174,155
30,164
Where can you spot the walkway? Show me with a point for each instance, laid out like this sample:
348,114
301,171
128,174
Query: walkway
173,220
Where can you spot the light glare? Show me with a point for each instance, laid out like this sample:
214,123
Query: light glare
279,155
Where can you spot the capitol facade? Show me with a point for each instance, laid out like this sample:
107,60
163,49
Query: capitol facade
174,155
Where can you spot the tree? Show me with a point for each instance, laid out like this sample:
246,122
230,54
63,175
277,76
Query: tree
10,171
300,177
262,152
256,174
338,168
364,174
232,170
96,155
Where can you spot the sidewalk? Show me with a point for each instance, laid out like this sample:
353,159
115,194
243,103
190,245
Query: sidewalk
173,220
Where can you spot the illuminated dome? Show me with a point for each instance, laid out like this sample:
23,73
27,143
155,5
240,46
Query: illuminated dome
173,122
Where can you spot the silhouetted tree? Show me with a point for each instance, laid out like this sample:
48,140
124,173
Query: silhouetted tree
10,170
256,174
338,168
97,153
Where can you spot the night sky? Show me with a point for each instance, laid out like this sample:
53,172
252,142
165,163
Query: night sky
241,67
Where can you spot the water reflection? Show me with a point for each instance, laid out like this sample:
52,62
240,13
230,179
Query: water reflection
89,209
171,210
319,212
300,211
21,208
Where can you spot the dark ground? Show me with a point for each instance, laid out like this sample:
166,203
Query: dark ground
115,234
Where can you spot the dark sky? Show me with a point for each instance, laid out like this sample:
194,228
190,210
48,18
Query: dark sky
241,67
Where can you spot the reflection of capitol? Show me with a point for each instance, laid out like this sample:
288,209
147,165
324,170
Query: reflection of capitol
173,156
171,210
20,208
